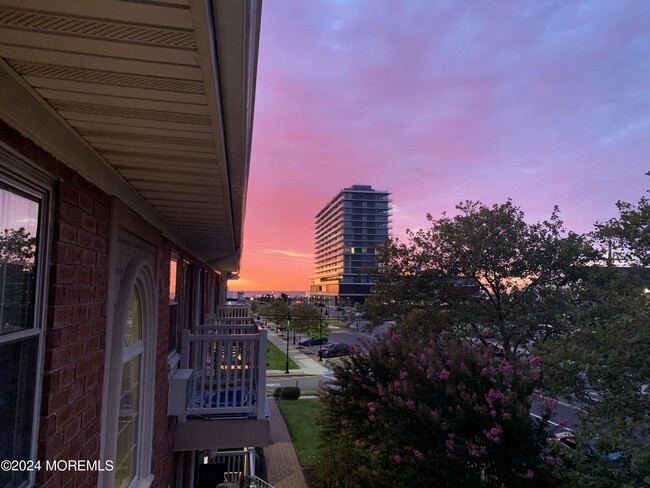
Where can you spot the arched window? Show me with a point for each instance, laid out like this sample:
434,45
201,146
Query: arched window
126,456
130,378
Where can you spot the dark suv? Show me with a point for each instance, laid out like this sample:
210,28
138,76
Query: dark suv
335,350
314,341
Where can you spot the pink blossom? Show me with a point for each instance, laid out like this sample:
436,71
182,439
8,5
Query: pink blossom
403,375
434,414
372,407
410,404
423,359
444,374
493,413
563,423
495,394
506,416
397,458
530,473
534,360
358,443
475,450
371,418
494,434
396,336
417,454
429,373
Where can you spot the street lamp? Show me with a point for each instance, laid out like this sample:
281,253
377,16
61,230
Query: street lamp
320,345
286,366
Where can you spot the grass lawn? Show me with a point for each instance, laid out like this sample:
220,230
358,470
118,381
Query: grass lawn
276,359
301,419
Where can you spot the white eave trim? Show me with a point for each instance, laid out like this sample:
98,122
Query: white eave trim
23,109
204,28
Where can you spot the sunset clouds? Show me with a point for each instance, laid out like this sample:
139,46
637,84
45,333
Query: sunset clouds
546,102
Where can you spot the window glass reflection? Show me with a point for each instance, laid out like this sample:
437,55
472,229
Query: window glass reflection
18,252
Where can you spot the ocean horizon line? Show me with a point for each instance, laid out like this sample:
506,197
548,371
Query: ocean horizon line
253,293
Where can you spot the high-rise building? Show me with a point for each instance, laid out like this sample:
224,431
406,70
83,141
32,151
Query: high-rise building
347,231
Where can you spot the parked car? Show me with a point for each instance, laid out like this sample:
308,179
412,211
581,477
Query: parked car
312,341
334,350
568,440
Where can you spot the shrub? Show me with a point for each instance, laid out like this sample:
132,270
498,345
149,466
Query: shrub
287,393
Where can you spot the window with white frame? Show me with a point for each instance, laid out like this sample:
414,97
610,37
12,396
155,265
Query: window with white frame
126,457
130,381
23,205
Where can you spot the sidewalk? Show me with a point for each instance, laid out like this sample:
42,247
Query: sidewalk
306,361
282,467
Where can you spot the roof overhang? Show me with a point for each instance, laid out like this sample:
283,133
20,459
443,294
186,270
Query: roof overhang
150,101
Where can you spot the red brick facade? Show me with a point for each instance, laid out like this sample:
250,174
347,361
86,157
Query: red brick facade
163,465
75,333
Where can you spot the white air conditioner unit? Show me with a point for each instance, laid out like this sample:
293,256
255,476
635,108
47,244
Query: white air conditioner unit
179,392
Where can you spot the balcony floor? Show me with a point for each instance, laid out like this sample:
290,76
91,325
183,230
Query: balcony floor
197,434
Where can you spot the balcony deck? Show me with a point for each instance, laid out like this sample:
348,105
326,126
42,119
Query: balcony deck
226,390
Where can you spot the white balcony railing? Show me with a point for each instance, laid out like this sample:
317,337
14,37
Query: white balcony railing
228,326
240,311
229,371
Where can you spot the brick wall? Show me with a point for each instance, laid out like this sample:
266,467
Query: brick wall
74,342
163,462
76,317
75,332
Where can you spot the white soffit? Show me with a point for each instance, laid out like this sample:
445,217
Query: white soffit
141,85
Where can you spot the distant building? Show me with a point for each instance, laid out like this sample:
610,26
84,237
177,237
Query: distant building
347,231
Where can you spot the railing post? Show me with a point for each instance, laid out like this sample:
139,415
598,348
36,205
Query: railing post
261,374
251,462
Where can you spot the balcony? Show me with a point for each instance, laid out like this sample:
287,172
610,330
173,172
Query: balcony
219,393
232,311
229,469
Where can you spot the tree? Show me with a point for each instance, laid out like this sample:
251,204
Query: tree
629,233
17,278
276,310
480,273
438,408
17,246
604,365
306,319
604,369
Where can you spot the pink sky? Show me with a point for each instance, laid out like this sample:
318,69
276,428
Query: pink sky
546,102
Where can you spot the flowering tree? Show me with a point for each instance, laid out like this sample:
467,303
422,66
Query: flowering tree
435,410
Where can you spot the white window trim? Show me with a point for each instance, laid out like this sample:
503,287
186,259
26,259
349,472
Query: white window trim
22,175
138,274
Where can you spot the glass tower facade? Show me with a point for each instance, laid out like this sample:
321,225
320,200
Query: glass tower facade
347,230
